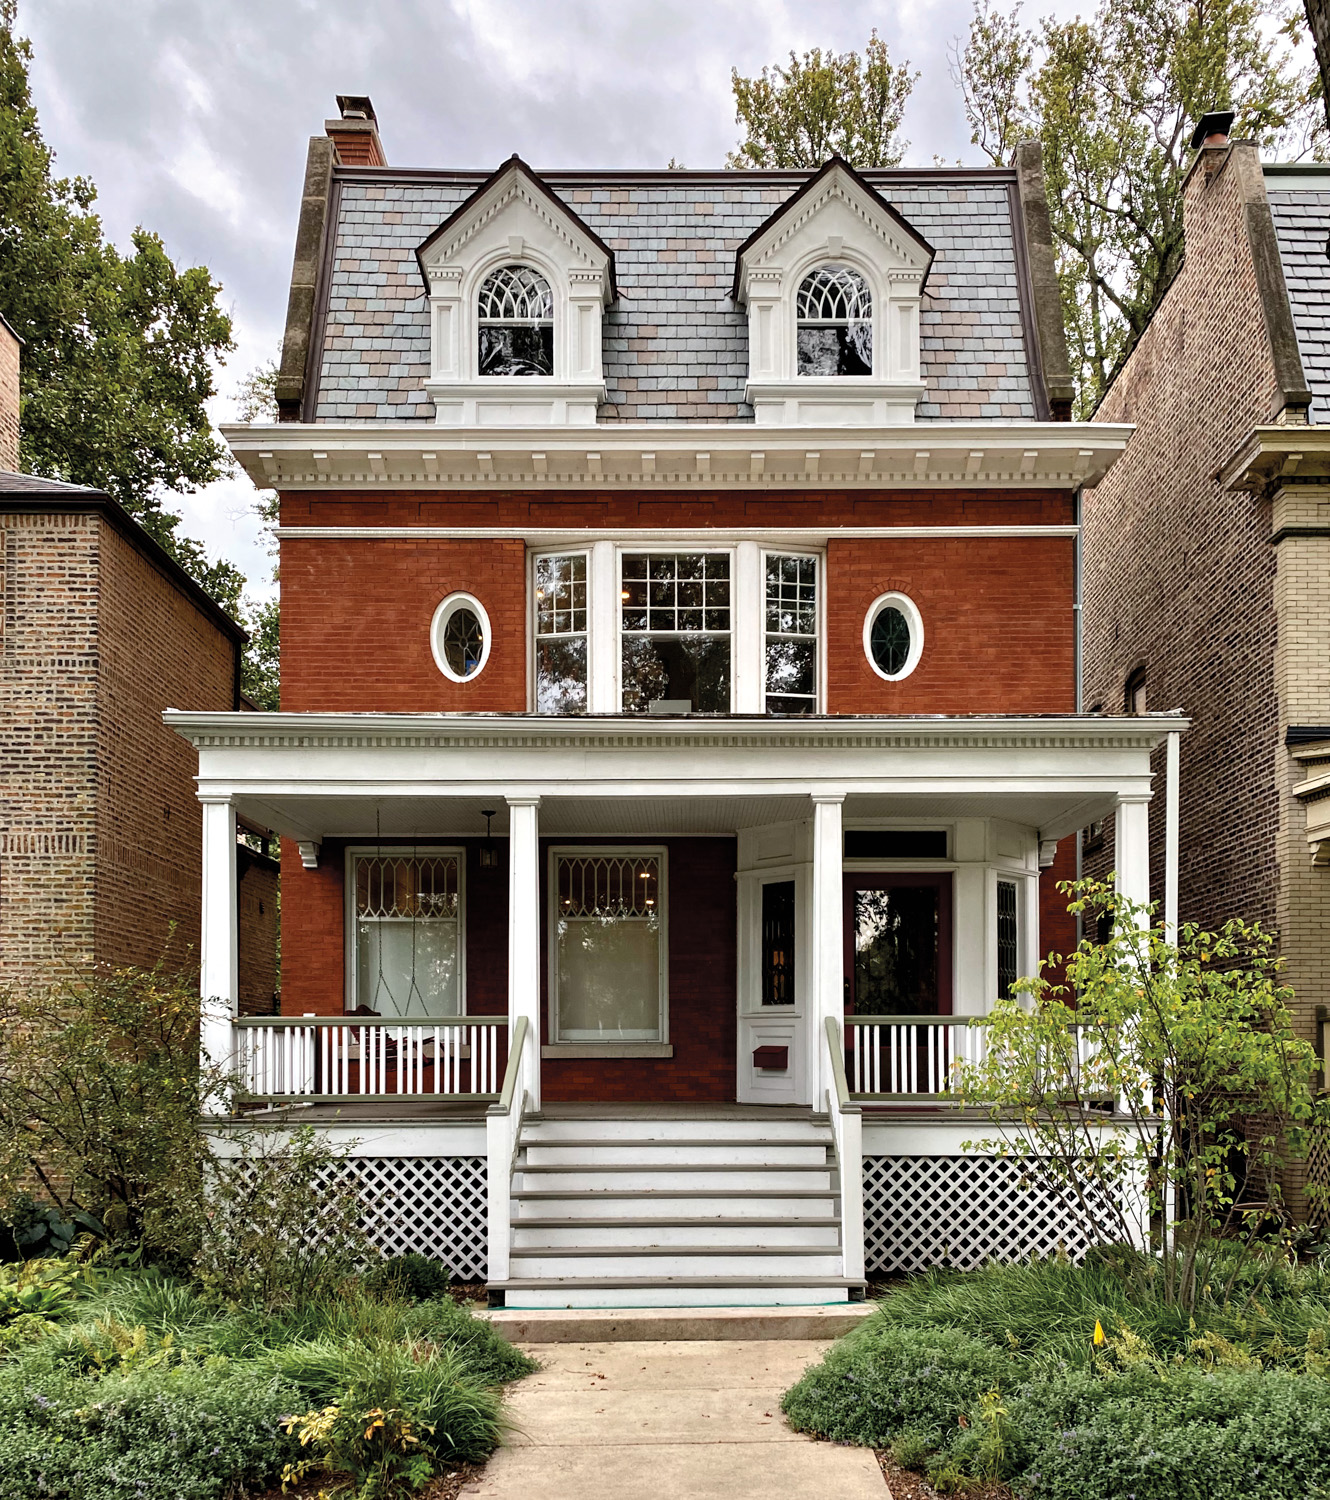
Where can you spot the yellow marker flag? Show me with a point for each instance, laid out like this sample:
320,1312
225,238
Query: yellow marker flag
1098,1334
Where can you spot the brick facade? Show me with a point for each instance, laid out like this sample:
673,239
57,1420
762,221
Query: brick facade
9,397
100,829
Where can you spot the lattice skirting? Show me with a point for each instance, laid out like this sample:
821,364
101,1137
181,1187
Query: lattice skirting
434,1205
1318,1168
957,1211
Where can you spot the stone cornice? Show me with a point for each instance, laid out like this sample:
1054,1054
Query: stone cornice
674,456
1278,457
615,732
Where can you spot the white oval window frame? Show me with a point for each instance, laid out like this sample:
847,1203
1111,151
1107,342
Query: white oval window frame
446,610
907,607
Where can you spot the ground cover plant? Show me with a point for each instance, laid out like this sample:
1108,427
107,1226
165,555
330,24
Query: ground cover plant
133,1382
1070,1383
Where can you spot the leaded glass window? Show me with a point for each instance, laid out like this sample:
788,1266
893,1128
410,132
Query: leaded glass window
834,317
889,640
561,633
791,634
463,642
516,313
408,934
675,631
778,942
608,937
1007,940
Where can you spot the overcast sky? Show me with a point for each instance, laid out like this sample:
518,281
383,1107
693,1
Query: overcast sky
192,116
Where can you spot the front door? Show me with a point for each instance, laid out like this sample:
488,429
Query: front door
898,944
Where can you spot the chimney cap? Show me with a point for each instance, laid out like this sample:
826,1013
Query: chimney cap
359,107
1217,123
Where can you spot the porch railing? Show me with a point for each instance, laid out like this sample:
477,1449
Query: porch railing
906,1059
354,1057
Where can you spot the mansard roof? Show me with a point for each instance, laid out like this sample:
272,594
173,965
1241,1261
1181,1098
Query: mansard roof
1300,207
675,341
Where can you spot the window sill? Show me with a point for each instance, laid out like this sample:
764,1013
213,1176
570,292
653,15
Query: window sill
608,1049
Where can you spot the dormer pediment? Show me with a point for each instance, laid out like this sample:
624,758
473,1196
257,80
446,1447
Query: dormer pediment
558,276
839,228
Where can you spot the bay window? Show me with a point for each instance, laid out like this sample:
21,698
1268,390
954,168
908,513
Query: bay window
561,633
790,626
675,632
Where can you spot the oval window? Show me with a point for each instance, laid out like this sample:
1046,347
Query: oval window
893,636
460,637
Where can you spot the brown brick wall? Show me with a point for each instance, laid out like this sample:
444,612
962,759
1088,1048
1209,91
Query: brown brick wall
48,796
1179,572
258,880
157,650
9,400
702,977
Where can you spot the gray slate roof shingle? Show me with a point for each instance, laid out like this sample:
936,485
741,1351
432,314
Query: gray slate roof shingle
1302,226
675,345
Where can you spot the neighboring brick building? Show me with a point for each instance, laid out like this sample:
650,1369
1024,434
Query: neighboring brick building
99,821
709,539
1207,553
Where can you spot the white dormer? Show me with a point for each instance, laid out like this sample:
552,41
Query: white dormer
517,285
832,283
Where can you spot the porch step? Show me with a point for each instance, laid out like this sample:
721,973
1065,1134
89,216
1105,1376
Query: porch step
673,1211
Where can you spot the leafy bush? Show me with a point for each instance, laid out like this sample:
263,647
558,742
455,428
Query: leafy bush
189,1433
415,1277
372,1455
282,1220
31,1230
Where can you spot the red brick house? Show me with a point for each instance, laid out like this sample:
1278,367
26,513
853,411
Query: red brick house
100,827
679,734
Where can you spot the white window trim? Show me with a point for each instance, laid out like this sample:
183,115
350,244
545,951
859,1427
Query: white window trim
401,851
619,851
913,619
532,556
820,602
447,608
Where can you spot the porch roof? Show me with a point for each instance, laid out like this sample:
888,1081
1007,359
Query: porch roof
316,776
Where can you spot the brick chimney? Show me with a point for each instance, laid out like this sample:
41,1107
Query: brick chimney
355,136
10,344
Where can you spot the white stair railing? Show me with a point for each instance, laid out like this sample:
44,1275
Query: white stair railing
503,1130
847,1128
345,1057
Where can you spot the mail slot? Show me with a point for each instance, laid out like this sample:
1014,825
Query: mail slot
771,1059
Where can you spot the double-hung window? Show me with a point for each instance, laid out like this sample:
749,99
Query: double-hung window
407,933
561,633
790,627
675,631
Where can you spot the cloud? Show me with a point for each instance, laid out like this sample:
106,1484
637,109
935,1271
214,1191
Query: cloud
192,117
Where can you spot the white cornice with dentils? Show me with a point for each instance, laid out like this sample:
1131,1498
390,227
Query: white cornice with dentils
677,456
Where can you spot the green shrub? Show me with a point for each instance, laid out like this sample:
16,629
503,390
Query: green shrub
415,1277
874,1389
189,1433
369,1454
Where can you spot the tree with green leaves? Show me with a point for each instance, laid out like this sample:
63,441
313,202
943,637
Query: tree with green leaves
1161,1085
1114,100
260,672
822,104
119,350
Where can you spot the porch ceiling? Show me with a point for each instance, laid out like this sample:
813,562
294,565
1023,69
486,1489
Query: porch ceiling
400,818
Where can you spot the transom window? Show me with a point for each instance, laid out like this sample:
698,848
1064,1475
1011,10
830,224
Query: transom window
834,315
408,934
791,635
676,632
515,308
561,633
608,945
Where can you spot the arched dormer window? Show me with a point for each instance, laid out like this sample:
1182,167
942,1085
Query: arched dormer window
515,313
834,314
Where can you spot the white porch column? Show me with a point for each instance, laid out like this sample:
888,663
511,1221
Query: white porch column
1173,762
219,978
1132,848
828,945
524,932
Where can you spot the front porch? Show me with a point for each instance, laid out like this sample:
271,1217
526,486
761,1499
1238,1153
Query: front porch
495,918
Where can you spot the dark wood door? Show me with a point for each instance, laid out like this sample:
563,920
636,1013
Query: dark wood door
898,944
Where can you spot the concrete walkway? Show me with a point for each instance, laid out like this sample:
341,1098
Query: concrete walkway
655,1421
